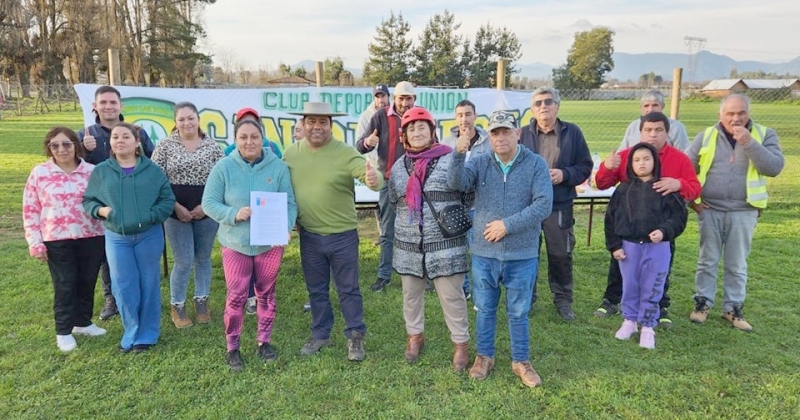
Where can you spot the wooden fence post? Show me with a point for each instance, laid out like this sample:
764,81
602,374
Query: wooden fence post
675,107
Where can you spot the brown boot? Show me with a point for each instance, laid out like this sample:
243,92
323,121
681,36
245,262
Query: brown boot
527,373
480,369
460,356
415,343
179,317
201,311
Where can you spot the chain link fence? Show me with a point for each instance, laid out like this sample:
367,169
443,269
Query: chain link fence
602,114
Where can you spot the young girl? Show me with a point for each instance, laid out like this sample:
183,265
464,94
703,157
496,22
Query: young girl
640,223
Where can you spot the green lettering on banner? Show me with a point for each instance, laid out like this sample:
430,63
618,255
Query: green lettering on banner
285,101
215,122
441,101
287,129
270,100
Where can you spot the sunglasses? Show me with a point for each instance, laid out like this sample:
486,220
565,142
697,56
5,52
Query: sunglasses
56,145
548,102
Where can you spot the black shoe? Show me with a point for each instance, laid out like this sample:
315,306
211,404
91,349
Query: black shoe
566,312
606,309
109,309
664,320
266,352
235,361
379,285
123,350
355,347
140,348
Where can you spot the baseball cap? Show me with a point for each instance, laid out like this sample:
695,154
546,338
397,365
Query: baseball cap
502,119
404,88
380,88
244,111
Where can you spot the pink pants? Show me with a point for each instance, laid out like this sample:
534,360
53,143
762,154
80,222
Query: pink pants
239,269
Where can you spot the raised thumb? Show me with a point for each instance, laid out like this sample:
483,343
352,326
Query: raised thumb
375,132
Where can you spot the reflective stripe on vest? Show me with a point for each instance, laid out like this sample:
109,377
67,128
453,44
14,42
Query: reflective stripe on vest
756,183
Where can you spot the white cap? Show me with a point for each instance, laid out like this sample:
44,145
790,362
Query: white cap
404,88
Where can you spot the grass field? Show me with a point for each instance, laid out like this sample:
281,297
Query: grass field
708,371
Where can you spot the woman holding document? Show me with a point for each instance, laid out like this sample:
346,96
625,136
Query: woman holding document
227,200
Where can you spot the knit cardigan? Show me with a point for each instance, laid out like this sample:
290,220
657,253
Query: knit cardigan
423,251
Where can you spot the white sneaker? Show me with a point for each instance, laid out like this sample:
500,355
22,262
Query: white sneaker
91,330
66,343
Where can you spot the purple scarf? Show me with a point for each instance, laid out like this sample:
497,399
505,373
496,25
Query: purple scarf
417,176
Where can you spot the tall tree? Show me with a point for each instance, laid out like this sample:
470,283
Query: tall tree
588,60
491,45
390,54
437,60
334,70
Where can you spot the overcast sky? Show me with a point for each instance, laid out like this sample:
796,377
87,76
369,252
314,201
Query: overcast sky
261,33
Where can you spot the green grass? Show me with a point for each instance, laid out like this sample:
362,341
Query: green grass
696,371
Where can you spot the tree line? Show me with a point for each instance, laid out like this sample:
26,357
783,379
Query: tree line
55,42
441,56
62,42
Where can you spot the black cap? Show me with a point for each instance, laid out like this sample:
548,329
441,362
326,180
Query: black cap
380,89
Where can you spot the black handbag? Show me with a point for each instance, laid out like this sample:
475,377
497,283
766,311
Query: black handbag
453,220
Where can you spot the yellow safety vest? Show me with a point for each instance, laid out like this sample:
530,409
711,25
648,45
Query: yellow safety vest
756,183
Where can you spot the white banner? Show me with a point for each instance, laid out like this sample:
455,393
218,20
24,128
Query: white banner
152,109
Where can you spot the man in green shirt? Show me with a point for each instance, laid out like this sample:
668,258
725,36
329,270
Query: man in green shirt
322,172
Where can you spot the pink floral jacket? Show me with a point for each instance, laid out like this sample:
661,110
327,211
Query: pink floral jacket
51,206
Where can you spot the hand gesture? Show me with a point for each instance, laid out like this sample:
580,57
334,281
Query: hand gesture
613,160
243,214
42,256
197,213
183,213
556,176
667,186
462,144
371,176
89,142
618,255
656,236
373,139
495,231
741,135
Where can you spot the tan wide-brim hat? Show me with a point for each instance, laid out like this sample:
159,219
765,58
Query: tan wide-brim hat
318,108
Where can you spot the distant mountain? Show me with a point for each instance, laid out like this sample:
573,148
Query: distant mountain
535,70
709,66
630,66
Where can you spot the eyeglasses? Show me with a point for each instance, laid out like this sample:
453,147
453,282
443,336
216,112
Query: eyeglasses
548,102
56,145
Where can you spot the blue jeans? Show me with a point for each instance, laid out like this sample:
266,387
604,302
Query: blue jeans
322,256
519,278
135,277
191,245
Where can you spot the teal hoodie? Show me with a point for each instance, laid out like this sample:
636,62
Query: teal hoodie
138,201
228,189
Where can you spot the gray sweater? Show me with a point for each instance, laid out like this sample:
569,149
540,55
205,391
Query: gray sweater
522,200
725,188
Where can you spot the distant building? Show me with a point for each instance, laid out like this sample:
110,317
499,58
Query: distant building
724,87
759,87
290,81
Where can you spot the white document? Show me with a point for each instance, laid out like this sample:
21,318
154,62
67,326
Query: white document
269,220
